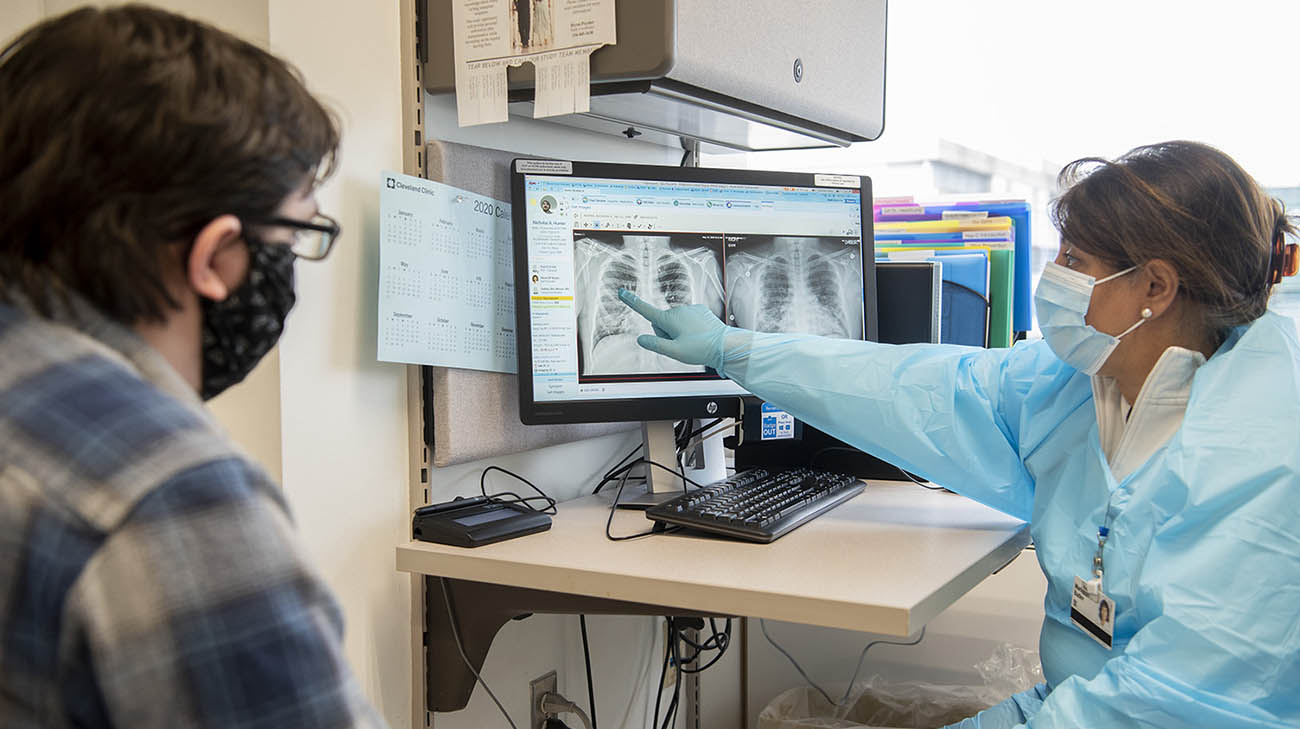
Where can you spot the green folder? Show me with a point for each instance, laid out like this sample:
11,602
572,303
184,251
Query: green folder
1002,271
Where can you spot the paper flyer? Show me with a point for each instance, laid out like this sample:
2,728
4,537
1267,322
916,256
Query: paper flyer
446,276
556,36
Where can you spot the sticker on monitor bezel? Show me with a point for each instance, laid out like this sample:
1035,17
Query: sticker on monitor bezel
821,180
544,166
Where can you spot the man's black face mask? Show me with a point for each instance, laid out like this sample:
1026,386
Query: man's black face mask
240,330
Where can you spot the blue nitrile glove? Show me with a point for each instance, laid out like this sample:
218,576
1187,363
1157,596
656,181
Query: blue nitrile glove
691,334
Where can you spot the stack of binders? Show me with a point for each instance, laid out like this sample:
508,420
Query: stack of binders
983,247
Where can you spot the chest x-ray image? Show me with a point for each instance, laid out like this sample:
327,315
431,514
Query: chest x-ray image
665,270
800,285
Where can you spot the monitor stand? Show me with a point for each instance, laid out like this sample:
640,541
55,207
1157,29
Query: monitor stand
660,446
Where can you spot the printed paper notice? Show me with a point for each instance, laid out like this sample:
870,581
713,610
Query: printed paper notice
556,36
777,424
446,276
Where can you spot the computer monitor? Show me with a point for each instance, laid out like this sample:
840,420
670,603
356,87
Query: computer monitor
909,305
770,251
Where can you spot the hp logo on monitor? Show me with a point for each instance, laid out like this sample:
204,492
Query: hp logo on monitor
711,408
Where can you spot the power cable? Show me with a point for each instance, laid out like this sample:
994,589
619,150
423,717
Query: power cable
586,657
847,691
720,640
516,498
657,529
455,634
663,673
671,714
612,473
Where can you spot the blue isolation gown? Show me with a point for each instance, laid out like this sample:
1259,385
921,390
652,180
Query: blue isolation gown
1203,557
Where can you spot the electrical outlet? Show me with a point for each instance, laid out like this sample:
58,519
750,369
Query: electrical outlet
670,676
547,683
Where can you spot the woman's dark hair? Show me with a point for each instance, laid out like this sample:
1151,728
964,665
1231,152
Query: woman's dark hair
124,131
1188,204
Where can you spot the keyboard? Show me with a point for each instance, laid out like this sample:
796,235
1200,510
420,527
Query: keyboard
760,504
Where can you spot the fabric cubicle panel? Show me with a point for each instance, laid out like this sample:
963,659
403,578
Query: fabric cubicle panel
476,414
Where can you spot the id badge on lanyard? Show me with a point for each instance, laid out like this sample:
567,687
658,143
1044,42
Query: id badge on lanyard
1090,610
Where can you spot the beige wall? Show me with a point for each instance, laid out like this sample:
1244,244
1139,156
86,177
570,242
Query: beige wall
344,413
250,412
245,18
15,15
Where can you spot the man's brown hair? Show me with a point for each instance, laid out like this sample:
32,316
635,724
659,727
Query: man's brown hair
126,130
1188,204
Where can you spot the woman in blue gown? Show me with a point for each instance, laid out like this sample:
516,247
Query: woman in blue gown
1150,439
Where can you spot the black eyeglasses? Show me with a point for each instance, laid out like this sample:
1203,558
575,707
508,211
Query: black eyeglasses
312,239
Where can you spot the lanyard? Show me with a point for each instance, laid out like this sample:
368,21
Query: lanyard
1103,532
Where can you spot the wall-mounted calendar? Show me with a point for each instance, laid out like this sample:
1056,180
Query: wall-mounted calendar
446,276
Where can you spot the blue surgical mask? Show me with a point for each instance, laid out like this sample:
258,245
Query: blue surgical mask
1061,302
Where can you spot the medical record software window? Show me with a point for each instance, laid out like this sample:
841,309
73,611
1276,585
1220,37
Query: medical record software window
760,257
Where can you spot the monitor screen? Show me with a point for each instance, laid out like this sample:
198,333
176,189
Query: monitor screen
768,251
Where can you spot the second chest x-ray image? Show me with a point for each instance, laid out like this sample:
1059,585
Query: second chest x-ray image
666,270
795,284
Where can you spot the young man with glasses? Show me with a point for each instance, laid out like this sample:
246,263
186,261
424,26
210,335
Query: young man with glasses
157,182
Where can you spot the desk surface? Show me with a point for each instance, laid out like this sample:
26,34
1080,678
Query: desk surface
887,561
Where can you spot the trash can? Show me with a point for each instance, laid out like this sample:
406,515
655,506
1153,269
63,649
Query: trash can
877,703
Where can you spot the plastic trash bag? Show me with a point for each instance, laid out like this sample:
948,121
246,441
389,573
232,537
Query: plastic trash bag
877,703
1010,670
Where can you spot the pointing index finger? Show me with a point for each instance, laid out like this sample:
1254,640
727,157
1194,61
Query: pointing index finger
639,306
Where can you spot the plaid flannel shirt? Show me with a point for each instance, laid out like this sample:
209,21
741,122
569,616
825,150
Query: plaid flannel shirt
149,574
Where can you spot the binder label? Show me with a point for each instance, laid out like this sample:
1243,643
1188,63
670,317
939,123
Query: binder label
997,245
965,214
916,255
902,210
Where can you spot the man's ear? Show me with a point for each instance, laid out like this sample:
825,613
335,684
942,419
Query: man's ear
218,260
1161,281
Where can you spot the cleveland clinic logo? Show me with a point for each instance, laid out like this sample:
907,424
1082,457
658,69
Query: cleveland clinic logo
395,184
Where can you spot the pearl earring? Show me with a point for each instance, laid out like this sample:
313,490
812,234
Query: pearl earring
1146,313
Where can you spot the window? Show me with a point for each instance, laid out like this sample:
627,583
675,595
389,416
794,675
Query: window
996,98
